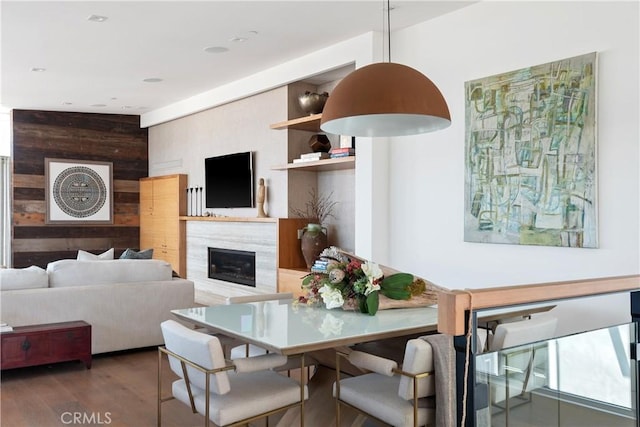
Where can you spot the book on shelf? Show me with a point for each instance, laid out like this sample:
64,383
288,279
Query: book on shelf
315,155
338,155
305,160
319,266
341,150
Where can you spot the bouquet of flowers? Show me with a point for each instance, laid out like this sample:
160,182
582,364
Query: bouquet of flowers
339,281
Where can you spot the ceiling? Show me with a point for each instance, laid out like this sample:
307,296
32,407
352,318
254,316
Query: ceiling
55,58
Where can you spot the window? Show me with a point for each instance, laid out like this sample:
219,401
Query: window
5,190
5,135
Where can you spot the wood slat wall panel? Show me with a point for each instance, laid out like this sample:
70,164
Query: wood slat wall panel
97,245
28,181
112,123
59,231
38,219
84,137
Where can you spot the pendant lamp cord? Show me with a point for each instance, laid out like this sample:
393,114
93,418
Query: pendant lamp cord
388,23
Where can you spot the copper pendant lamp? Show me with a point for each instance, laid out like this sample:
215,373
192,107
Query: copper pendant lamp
385,99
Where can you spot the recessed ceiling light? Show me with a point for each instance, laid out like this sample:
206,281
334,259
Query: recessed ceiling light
215,49
97,18
152,80
126,107
243,37
98,105
67,103
38,70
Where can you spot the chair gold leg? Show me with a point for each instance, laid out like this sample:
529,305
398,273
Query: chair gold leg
303,381
337,397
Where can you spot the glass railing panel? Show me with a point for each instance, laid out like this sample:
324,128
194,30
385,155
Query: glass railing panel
595,372
586,379
512,378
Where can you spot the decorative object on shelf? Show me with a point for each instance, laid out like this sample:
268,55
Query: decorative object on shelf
314,235
262,195
194,202
313,103
540,185
313,242
320,143
189,205
341,280
347,141
78,191
385,99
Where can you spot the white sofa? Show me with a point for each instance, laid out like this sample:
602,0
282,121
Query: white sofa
124,301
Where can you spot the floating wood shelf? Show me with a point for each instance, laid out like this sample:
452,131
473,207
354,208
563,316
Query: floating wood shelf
309,123
339,163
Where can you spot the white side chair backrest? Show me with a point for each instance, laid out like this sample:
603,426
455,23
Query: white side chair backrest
513,334
418,357
259,297
202,349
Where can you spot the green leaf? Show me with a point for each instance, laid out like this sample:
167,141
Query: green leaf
372,303
397,286
362,303
397,281
306,280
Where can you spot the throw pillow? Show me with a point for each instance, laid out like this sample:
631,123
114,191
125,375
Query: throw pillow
88,256
133,254
23,278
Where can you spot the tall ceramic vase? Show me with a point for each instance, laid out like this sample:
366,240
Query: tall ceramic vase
313,242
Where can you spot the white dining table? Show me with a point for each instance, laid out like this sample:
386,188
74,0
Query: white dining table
289,328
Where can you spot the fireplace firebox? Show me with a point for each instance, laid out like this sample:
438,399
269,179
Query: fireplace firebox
232,266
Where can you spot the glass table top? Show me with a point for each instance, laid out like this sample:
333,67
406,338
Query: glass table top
289,328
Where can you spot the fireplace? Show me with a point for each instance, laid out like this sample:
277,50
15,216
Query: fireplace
232,266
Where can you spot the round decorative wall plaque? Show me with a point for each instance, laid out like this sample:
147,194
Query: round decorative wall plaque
79,191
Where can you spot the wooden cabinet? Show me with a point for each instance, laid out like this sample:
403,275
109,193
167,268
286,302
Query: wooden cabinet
162,201
50,343
291,265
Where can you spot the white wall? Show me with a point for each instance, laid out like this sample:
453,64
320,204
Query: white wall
426,227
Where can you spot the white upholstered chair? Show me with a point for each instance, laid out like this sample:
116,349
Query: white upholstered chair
519,362
237,349
399,397
226,394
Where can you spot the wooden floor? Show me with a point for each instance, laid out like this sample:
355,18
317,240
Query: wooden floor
120,390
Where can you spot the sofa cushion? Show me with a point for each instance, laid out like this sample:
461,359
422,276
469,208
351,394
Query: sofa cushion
88,256
133,254
70,272
23,278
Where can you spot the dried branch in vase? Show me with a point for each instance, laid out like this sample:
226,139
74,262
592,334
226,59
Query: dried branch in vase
318,206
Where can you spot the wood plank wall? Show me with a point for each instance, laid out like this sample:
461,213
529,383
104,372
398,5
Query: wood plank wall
76,136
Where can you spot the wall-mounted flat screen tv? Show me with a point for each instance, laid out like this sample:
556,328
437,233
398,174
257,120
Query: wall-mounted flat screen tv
229,181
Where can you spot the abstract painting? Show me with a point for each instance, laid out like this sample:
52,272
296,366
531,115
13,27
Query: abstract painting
530,156
78,192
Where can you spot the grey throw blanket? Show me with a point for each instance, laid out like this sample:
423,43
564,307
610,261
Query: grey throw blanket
444,361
